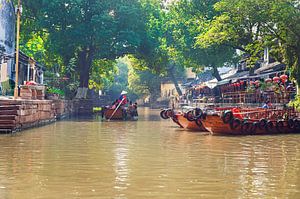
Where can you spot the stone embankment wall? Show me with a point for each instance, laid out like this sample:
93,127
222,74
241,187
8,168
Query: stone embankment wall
16,115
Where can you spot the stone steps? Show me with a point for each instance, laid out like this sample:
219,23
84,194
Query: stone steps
9,107
9,118
9,112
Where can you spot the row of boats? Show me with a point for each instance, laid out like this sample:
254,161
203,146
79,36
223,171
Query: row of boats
235,120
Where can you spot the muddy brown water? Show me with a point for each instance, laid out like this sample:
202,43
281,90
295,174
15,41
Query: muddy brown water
150,158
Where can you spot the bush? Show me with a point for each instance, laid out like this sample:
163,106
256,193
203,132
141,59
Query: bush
295,103
8,87
52,90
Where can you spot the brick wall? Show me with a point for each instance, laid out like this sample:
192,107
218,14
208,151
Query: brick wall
29,113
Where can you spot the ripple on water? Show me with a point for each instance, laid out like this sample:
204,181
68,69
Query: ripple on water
86,158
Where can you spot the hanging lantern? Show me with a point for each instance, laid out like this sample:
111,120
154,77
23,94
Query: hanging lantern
242,83
257,82
238,84
276,79
283,78
268,80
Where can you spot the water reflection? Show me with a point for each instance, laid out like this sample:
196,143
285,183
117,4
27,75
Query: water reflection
121,163
151,158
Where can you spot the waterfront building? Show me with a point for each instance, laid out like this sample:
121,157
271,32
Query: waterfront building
29,69
7,40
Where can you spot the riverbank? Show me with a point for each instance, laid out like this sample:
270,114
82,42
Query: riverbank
20,114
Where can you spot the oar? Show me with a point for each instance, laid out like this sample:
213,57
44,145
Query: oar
116,109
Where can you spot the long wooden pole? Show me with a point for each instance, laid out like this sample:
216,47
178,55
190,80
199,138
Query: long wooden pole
17,50
116,109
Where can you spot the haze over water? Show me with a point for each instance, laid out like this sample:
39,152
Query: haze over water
150,158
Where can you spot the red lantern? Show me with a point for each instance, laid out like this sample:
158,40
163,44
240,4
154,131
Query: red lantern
276,79
268,80
238,84
283,78
242,83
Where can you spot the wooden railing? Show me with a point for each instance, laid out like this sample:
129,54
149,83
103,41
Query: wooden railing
259,113
257,97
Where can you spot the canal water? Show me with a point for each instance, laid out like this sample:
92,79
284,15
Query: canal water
150,158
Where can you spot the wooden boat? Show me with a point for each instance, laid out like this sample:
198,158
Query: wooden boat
108,113
195,125
117,116
257,121
182,120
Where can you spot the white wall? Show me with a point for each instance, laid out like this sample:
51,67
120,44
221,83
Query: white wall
7,29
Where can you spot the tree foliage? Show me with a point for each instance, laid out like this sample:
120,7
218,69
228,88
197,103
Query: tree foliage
252,25
85,37
187,20
88,30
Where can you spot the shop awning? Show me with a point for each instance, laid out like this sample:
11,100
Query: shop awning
271,67
233,78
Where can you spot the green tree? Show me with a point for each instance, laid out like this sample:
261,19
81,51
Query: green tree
155,53
188,19
88,30
142,81
119,80
252,25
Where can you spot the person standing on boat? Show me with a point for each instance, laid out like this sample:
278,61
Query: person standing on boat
123,98
123,101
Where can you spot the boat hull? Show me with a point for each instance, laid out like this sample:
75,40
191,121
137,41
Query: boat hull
118,115
185,123
215,125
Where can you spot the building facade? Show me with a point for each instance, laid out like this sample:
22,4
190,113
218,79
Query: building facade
28,69
7,39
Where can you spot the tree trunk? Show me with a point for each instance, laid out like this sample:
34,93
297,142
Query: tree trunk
174,80
85,58
216,74
176,84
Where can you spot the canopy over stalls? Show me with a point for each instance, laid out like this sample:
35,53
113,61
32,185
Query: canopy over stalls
270,68
234,78
203,89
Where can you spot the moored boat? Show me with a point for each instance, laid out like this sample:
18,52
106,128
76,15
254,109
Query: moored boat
195,125
185,120
238,121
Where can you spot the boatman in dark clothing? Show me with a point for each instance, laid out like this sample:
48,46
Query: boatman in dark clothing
135,110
